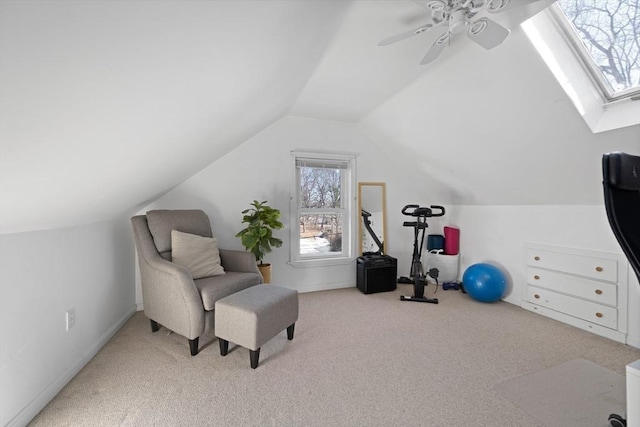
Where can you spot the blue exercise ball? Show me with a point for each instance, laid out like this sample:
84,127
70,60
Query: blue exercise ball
484,282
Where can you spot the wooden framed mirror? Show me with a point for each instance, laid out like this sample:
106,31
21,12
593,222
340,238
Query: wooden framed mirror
372,207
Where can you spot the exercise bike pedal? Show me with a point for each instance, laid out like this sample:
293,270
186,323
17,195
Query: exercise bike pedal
418,299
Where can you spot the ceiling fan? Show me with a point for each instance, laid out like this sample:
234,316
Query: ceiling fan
459,16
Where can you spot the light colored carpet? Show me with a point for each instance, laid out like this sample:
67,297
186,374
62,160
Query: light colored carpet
577,393
355,360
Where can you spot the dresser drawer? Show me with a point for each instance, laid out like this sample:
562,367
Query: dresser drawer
586,310
599,292
595,268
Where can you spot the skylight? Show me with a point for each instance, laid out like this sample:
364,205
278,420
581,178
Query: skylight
592,49
605,35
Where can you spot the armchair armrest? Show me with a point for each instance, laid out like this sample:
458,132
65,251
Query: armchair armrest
241,261
169,293
177,271
171,297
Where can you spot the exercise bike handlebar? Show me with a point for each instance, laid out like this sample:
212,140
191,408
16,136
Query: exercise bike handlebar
423,212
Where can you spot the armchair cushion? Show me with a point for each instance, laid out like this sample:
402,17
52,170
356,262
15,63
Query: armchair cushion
162,221
199,254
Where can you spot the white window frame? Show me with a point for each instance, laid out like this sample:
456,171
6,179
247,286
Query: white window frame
348,196
580,51
600,114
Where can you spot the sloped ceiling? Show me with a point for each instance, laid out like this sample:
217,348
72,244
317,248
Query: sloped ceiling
106,105
356,75
500,131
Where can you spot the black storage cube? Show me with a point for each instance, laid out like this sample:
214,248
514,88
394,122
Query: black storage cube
376,273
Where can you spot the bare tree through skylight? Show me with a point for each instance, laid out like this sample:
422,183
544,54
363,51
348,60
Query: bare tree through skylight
609,30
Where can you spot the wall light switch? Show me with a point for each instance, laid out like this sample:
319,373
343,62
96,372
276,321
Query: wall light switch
70,318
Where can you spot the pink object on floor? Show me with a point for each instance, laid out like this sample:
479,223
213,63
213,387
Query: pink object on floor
451,240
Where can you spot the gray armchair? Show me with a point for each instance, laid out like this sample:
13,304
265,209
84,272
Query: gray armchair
172,298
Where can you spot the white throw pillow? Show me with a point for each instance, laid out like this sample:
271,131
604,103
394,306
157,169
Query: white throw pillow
199,254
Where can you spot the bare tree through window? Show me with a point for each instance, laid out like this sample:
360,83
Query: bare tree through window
609,31
320,196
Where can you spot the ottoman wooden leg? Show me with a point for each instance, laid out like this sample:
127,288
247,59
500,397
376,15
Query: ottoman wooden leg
254,356
224,346
290,332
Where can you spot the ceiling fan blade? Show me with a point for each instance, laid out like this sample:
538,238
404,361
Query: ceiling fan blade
405,35
436,48
487,33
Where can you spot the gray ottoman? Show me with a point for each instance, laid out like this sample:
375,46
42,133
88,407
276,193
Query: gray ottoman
253,316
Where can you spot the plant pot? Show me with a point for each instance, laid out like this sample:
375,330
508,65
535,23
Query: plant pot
265,270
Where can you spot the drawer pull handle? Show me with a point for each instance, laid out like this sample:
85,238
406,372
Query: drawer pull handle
599,314
536,296
537,258
599,269
536,277
598,291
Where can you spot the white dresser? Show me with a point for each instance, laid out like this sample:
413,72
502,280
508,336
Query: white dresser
586,289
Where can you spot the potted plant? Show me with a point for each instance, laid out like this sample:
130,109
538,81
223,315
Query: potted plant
257,237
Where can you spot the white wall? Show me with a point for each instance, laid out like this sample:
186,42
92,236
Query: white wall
43,274
262,169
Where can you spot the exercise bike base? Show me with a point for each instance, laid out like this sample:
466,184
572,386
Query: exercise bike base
419,299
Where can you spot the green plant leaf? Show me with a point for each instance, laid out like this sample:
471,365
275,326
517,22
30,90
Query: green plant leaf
257,237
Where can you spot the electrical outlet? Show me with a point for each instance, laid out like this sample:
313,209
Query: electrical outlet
70,318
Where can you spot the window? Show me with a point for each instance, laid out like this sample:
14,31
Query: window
322,208
605,36
585,73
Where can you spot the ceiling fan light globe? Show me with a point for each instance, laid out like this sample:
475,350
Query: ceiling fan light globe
458,21
458,27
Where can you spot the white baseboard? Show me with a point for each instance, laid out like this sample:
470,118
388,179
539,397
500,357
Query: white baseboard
633,341
42,399
324,287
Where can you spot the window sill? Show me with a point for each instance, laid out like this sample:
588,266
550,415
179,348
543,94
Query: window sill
324,262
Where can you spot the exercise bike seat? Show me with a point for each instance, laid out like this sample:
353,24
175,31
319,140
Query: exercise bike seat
421,211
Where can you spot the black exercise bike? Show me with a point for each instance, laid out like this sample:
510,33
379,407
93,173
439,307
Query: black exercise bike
417,275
